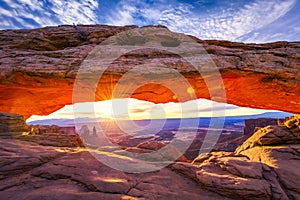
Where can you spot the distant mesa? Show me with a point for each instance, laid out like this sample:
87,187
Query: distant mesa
251,125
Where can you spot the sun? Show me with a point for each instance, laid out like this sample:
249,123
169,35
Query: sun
190,90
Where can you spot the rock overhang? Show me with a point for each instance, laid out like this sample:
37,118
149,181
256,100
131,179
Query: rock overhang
39,67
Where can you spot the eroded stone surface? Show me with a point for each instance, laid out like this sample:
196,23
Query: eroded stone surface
265,166
38,68
278,147
274,135
30,171
57,166
10,122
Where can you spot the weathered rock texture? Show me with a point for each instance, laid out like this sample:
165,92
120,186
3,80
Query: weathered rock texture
12,123
38,68
47,166
52,166
266,166
29,171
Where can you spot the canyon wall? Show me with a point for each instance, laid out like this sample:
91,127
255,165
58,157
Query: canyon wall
38,69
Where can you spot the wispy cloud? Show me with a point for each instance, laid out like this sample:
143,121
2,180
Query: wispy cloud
230,22
35,13
227,24
285,28
138,12
249,21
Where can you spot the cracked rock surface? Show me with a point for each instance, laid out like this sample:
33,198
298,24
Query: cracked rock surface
265,166
32,171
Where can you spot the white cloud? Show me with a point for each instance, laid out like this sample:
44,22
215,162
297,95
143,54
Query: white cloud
34,13
230,21
82,12
137,12
124,109
123,16
226,24
285,28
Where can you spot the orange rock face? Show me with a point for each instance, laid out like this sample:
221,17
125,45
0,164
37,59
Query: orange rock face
38,70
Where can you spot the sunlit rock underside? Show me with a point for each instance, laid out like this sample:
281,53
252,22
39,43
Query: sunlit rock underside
38,69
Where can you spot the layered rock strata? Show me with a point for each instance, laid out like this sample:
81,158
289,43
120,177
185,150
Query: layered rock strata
38,68
10,122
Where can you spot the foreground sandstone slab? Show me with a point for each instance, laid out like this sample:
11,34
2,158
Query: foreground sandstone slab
45,165
31,171
266,166
52,166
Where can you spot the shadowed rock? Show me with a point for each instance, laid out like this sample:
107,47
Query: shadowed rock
253,124
12,123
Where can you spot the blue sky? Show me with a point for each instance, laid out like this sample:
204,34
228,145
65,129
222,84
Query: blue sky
246,21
